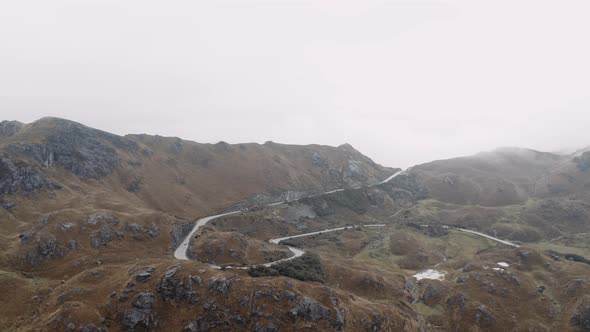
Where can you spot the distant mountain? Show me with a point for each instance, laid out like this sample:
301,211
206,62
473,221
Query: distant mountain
502,177
166,173
516,193
81,207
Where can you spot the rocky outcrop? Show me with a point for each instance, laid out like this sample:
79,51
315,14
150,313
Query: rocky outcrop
433,293
179,232
7,204
136,230
310,309
10,128
19,177
135,184
219,285
173,287
484,317
94,219
457,301
140,315
86,152
102,237
296,213
405,186
144,275
265,199
324,205
583,161
47,248
581,317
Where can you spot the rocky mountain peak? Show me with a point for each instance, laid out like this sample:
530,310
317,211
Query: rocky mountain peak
10,128
347,147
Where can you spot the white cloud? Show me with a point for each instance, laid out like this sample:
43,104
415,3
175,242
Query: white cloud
403,81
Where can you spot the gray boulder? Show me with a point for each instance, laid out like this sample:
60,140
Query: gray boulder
219,285
102,237
145,275
173,287
457,301
179,232
47,248
310,309
433,293
581,318
19,177
140,315
10,128
7,205
483,316
94,219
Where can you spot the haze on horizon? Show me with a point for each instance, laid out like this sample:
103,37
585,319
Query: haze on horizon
404,82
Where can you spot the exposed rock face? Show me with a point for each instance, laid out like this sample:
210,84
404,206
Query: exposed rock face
297,212
310,309
433,293
47,248
7,205
581,318
583,162
102,237
196,326
483,316
173,287
94,219
136,229
141,314
219,285
179,232
18,177
457,301
10,128
264,199
145,275
325,205
84,151
403,185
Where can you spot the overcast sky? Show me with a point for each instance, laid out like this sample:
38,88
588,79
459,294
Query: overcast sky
404,82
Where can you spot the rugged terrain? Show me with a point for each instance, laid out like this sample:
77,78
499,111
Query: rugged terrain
90,220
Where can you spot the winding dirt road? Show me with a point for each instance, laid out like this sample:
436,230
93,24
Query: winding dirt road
182,250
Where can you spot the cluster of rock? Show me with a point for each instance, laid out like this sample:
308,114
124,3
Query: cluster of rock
581,317
85,152
40,243
257,310
19,177
10,128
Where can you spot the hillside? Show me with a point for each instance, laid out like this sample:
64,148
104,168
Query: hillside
90,220
192,178
82,209
519,194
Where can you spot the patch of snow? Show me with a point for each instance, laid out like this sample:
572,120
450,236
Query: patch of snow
430,274
498,269
503,264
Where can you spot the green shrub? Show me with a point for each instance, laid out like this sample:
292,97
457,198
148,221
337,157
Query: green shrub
305,268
